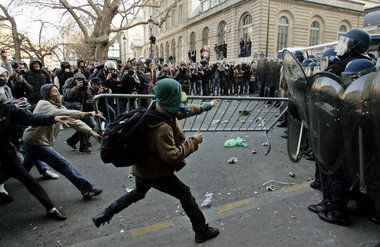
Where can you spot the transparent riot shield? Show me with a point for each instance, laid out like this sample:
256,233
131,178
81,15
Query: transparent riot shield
323,102
294,81
362,145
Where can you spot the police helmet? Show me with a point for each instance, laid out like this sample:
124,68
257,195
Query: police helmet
311,56
306,62
310,68
357,68
299,55
110,65
328,58
355,40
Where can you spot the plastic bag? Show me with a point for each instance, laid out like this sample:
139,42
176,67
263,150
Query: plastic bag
208,200
235,142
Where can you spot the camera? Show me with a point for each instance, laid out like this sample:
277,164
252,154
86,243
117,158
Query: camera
131,72
20,71
106,90
114,75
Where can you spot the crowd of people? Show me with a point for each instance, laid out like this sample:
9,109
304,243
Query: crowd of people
65,95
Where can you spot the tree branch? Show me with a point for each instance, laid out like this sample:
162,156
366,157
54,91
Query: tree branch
76,18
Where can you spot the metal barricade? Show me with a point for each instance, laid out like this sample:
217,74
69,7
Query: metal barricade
233,114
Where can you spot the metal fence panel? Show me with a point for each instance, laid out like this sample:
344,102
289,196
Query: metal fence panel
233,114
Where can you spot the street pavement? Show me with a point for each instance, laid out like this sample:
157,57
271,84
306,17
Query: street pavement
246,213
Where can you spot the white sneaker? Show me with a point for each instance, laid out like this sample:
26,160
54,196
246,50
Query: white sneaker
50,175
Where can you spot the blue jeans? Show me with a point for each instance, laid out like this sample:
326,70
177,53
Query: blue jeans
215,85
57,162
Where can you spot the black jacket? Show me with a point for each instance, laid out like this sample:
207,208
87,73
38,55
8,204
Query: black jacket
10,116
36,78
19,89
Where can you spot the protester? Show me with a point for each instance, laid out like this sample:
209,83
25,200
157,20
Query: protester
168,146
39,141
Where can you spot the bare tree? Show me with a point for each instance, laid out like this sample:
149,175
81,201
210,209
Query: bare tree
95,19
15,34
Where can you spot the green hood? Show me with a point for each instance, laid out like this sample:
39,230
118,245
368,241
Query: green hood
168,95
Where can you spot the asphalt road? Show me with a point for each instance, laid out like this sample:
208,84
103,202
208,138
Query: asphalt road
242,208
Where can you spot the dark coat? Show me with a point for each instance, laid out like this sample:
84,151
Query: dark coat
36,78
10,116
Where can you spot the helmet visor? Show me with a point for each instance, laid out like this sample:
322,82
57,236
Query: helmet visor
324,63
344,45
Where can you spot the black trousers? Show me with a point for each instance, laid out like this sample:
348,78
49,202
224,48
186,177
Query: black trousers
170,185
11,167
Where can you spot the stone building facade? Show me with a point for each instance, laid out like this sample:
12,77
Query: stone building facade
270,25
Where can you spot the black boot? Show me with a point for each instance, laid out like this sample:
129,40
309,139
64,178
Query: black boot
316,184
320,207
102,218
206,234
337,215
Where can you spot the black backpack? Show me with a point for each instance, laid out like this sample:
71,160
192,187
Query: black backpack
123,142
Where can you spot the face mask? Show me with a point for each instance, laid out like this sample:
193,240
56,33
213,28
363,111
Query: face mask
54,99
183,107
3,82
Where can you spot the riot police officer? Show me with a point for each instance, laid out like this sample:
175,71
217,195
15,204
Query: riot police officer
333,209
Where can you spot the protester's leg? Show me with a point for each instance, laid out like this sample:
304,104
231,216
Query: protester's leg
14,168
174,187
60,164
142,187
73,140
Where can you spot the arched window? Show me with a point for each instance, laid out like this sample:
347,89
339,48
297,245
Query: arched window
156,52
192,41
222,37
205,36
314,33
173,49
180,49
167,50
247,27
283,29
342,31
162,51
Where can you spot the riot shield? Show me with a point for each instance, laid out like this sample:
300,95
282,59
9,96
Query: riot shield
369,164
323,102
294,82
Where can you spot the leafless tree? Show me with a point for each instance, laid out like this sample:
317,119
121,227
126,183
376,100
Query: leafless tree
6,17
95,19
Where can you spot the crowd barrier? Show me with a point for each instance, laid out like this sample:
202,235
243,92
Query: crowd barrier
233,114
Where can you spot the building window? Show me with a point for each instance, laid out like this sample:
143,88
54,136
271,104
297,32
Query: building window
167,50
214,3
162,51
192,41
205,36
247,27
173,18
342,31
314,33
283,29
173,49
180,15
180,49
222,37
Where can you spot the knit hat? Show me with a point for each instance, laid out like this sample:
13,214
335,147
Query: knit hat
168,95
45,91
